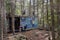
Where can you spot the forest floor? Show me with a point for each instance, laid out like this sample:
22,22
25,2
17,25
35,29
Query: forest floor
36,34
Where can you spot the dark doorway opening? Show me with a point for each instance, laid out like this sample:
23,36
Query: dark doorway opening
16,24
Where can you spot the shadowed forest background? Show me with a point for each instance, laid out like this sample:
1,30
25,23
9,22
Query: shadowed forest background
29,19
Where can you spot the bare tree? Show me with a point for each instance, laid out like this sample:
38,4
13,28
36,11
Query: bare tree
58,17
52,18
1,22
3,25
12,14
42,13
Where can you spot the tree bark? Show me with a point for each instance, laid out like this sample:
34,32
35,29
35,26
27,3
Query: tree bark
3,25
12,15
42,13
58,17
48,19
52,18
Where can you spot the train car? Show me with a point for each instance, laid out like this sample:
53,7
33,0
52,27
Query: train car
28,22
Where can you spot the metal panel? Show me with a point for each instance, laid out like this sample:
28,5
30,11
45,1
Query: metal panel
29,22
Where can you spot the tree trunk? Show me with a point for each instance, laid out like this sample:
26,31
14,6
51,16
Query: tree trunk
3,26
42,13
12,15
48,19
58,17
52,17
1,22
